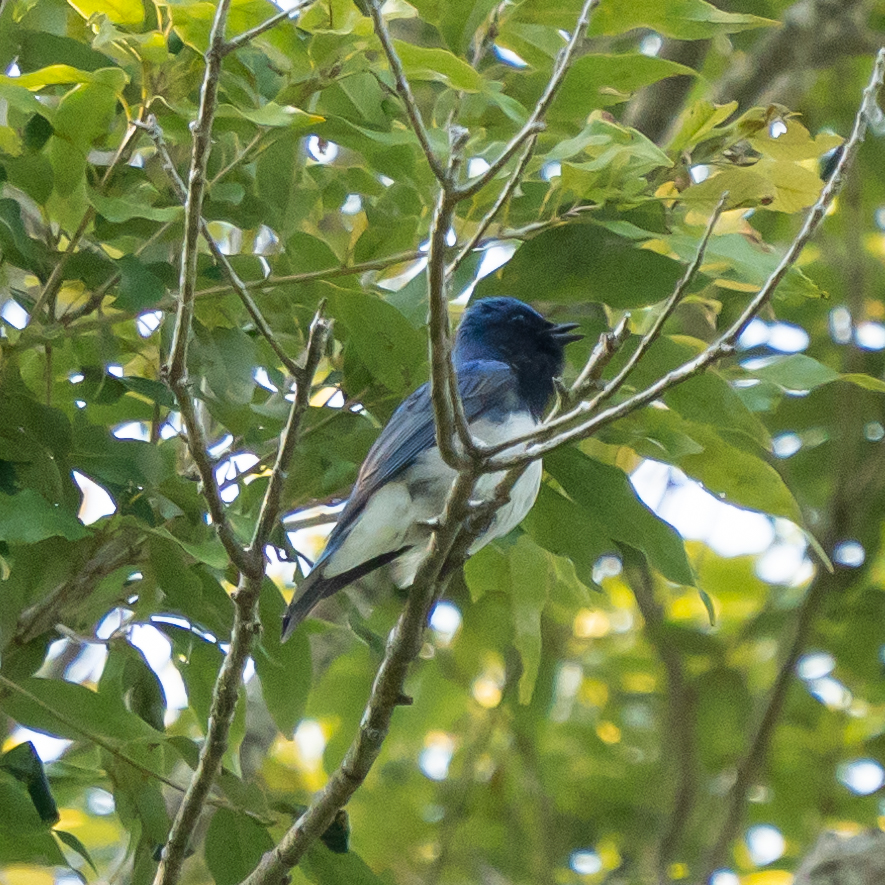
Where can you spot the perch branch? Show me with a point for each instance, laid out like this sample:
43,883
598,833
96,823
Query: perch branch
403,646
176,369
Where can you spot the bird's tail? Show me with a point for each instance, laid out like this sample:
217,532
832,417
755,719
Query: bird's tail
316,587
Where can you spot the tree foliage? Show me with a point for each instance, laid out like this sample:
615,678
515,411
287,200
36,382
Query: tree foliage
600,699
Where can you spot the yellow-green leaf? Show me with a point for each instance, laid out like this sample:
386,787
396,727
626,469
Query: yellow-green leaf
440,65
120,12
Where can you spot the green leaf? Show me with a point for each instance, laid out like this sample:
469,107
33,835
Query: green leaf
795,372
708,605
284,669
389,346
228,359
735,257
72,711
234,846
868,382
457,20
530,579
325,867
24,838
127,674
23,763
120,12
584,262
607,494
188,591
273,115
76,845
123,209
139,288
566,529
53,75
795,144
28,517
697,121
739,477
707,398
211,551
440,65
745,186
599,81
683,19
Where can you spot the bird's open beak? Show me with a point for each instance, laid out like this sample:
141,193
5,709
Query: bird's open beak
562,333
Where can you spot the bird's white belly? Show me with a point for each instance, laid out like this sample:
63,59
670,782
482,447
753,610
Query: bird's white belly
399,513
430,470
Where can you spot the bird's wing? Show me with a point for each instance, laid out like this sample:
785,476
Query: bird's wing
485,387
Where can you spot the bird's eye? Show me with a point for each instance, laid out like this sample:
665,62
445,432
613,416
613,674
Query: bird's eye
518,320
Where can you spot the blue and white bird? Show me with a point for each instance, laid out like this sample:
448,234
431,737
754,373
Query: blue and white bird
506,356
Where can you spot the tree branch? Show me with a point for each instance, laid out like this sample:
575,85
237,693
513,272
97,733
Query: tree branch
404,90
724,345
535,122
246,625
448,412
176,369
605,349
156,134
247,36
680,716
403,646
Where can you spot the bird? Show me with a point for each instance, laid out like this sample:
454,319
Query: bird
506,356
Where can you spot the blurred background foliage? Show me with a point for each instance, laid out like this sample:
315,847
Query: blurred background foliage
602,697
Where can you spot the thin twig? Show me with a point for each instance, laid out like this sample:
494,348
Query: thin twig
247,36
246,626
404,90
672,303
56,277
524,233
506,191
537,445
102,742
535,122
270,506
237,159
749,766
607,346
95,299
156,134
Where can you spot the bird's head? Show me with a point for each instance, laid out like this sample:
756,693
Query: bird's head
507,330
